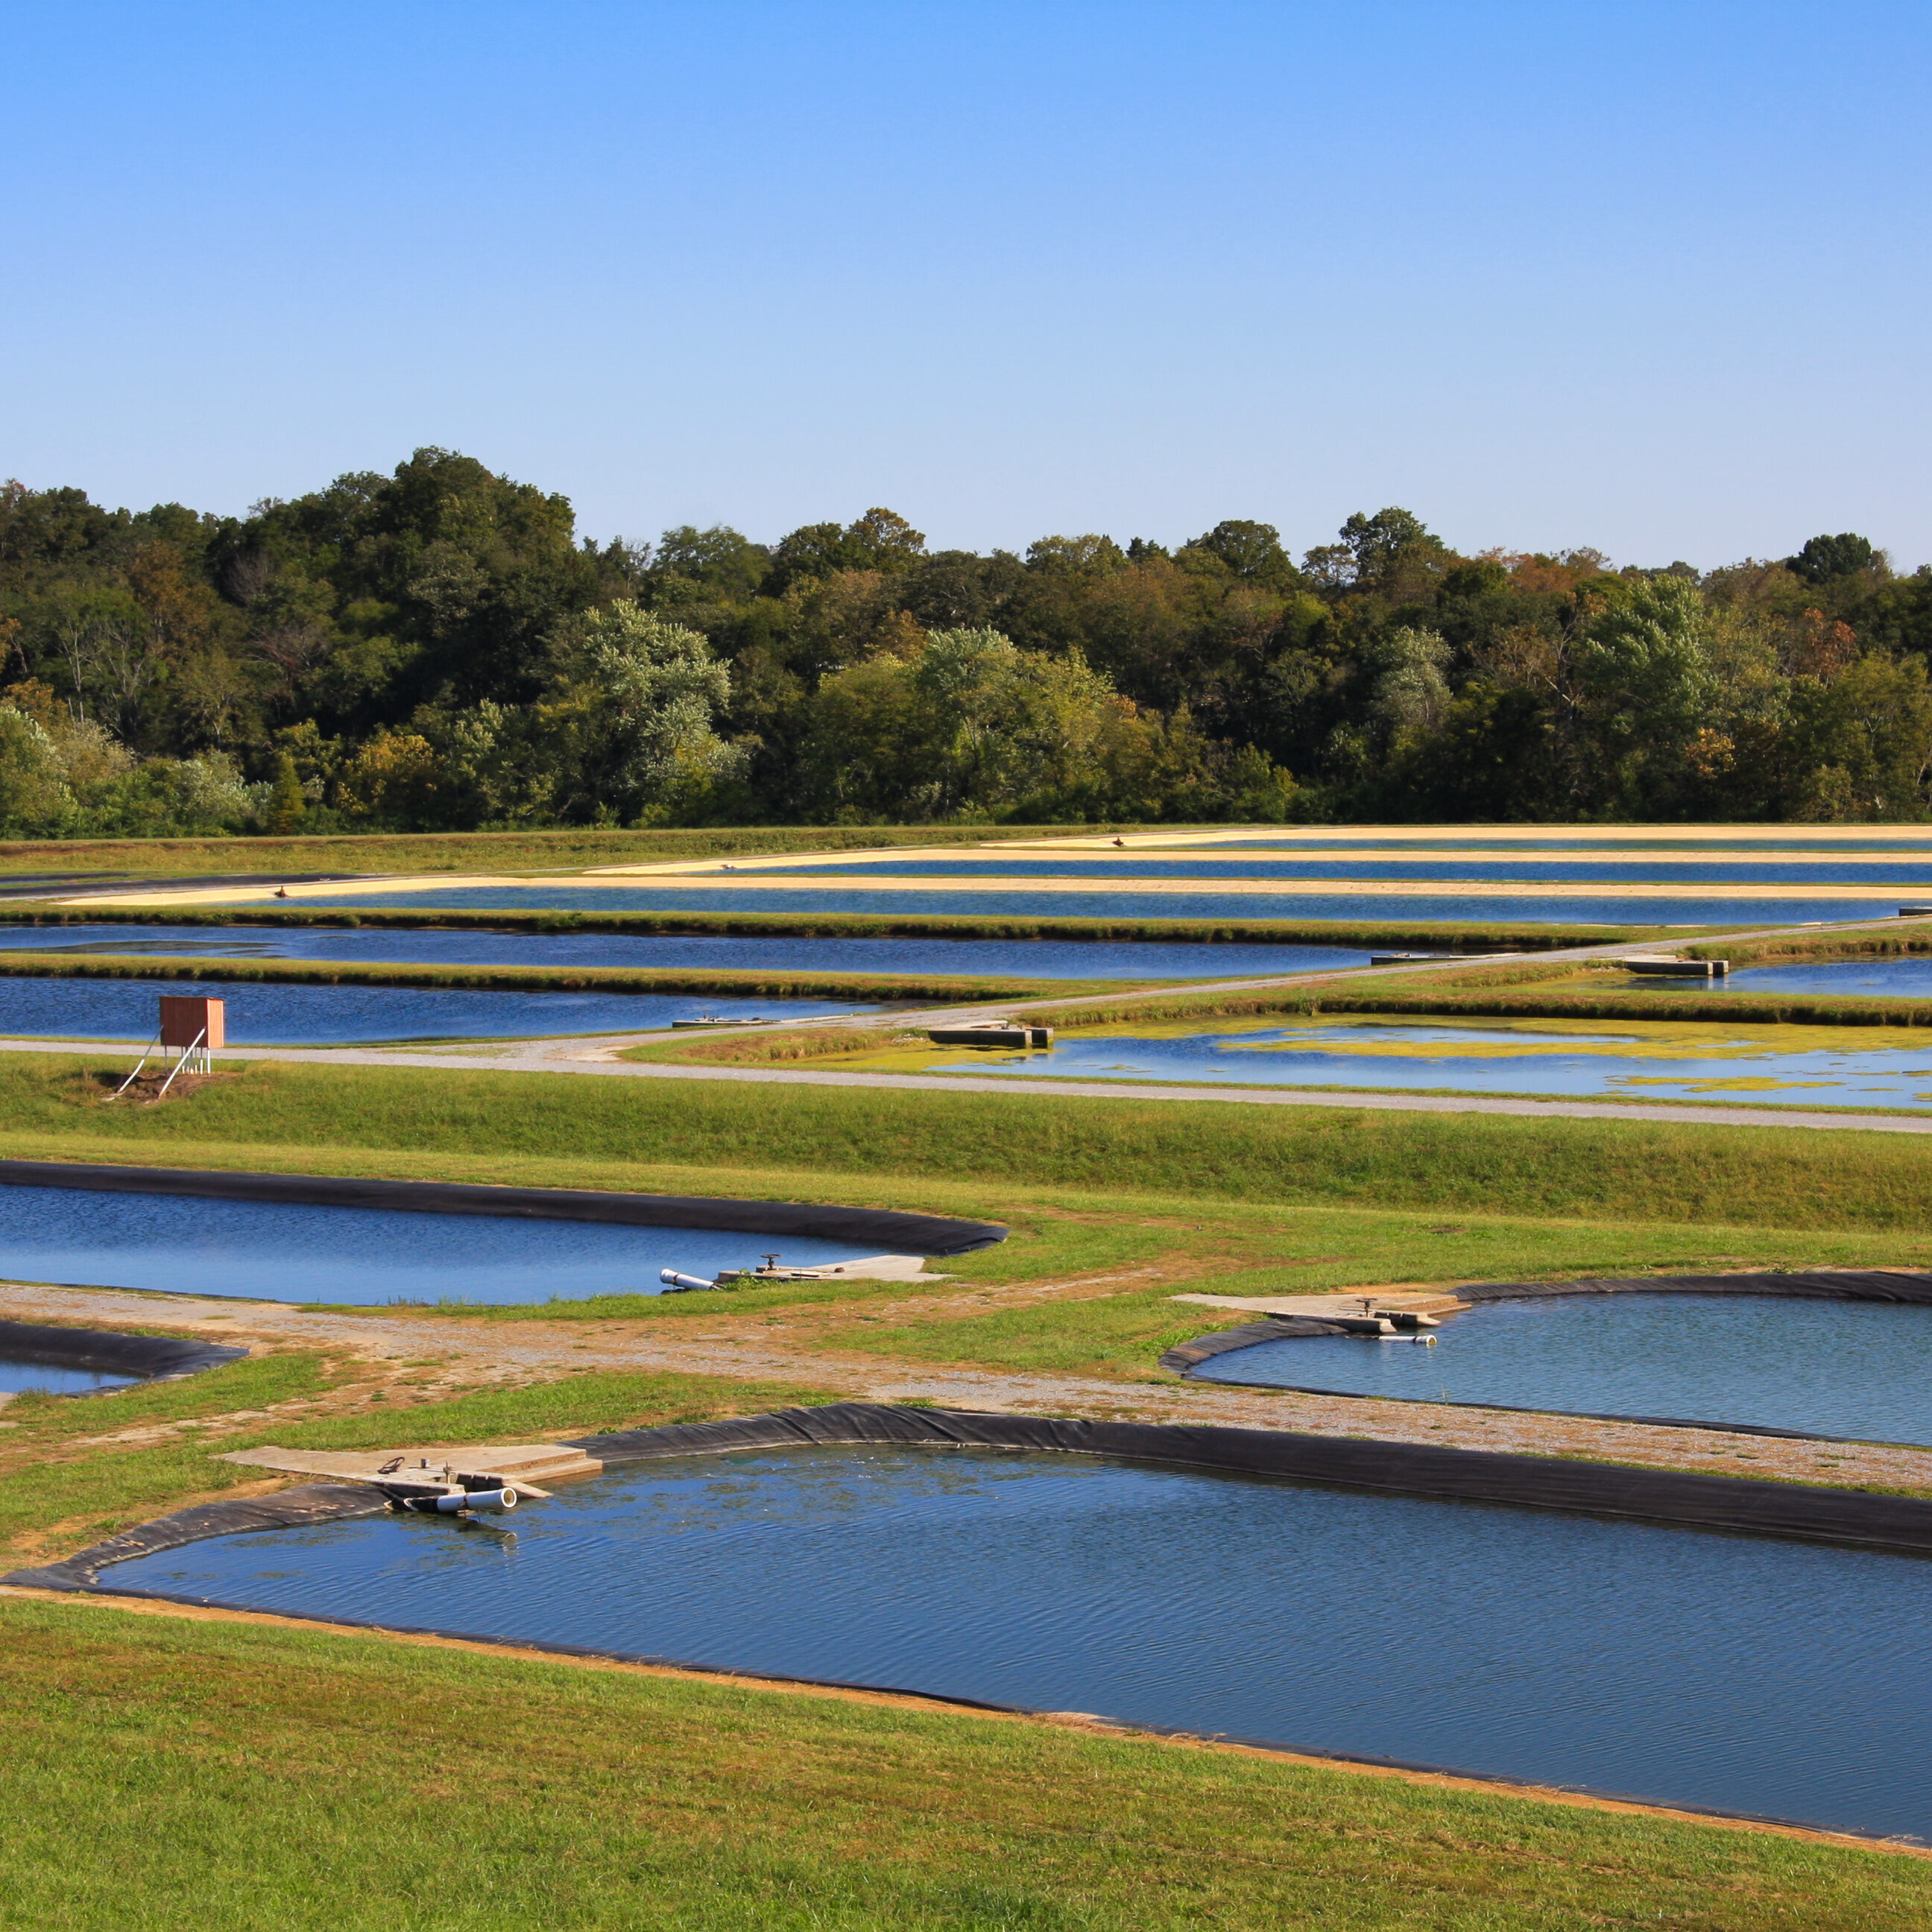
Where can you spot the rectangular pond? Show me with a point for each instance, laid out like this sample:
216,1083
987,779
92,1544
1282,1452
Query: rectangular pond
1592,908
1030,959
364,1257
1860,1369
1782,869
274,1015
1862,978
1618,1658
1648,1060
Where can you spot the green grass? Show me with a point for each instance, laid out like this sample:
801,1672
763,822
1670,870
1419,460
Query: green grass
161,1772
861,1143
65,1484
925,988
1893,939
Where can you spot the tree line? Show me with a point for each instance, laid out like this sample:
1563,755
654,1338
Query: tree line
438,648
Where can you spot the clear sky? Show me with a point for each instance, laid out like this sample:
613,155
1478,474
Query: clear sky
1652,277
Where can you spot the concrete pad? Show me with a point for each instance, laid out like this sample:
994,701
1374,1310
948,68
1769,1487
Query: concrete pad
1322,1306
520,1463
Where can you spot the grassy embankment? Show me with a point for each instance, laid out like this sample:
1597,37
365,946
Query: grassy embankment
1894,939
1120,1204
256,1776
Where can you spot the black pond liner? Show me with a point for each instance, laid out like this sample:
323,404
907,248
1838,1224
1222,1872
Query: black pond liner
1741,1505
1818,1285
148,1358
887,1228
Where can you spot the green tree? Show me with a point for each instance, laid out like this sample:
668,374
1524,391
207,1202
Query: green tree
628,722
1824,558
286,805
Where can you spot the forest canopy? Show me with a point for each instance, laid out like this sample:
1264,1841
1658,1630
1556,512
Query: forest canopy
438,648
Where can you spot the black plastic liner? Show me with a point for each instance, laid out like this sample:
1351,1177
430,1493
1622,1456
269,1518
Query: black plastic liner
152,1357
884,1228
1816,1285
288,1509
1902,1524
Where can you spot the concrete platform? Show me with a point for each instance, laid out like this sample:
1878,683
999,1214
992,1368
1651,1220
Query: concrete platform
1321,1307
522,1463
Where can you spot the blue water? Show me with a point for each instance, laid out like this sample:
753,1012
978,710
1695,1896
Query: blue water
1381,908
1753,1065
1827,1368
17,1376
364,1257
1684,1668
1792,841
1578,865
259,1014
1869,978
1034,959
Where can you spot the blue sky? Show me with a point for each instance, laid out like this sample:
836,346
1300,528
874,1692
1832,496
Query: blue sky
1652,277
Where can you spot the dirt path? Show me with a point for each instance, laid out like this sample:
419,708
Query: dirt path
429,1356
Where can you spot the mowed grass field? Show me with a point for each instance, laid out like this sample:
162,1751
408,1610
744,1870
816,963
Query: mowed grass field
872,1145
163,1772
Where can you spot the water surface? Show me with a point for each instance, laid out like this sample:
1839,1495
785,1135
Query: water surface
1643,1060
1030,959
262,1015
1525,907
1825,1368
1619,1657
16,1377
1867,979
1784,871
285,1251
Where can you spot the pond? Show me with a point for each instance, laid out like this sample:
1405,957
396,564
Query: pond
1623,1658
1592,869
268,1015
1588,908
1032,958
1646,1060
1861,1369
17,1376
1864,978
364,1257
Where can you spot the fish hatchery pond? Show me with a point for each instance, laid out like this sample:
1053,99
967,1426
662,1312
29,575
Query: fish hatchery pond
358,1257
1823,1367
1517,904
1624,1658
273,1015
766,953
1638,1060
